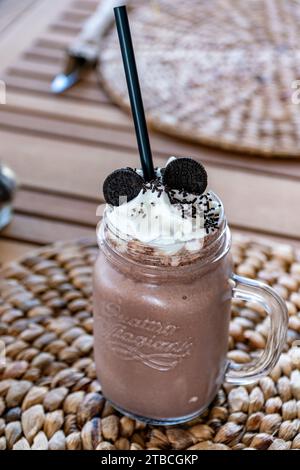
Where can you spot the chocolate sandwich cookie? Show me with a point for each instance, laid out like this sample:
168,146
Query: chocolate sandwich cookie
122,183
185,174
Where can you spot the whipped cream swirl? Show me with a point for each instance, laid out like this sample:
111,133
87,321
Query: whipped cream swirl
166,218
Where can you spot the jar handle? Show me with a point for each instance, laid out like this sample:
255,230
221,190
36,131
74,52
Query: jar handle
255,291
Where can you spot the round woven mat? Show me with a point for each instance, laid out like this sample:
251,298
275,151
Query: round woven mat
49,394
217,72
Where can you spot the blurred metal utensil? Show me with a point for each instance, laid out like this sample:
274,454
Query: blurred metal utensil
77,65
82,56
8,186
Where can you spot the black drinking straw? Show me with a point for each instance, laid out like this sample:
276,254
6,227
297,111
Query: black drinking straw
134,90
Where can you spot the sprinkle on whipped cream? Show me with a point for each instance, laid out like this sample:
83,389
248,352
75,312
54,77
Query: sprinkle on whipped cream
160,216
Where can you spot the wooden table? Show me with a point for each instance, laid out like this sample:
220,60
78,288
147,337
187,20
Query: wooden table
63,147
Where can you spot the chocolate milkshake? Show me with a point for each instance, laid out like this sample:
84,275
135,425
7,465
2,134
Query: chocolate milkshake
163,284
162,302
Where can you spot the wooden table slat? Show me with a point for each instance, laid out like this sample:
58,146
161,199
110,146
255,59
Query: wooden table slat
46,71
58,37
67,130
42,53
80,112
62,166
65,27
75,15
12,250
85,5
41,231
51,41
57,207
33,85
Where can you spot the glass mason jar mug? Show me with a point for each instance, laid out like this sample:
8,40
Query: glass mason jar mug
161,326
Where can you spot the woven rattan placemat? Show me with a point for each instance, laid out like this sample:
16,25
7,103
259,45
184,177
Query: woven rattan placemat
218,72
49,395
